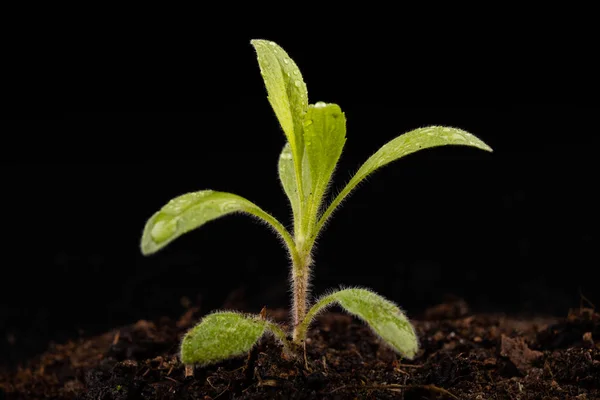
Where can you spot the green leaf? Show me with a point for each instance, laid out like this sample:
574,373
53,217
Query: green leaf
192,210
286,90
287,178
220,336
401,146
324,137
384,317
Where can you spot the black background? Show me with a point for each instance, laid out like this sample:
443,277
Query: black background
512,231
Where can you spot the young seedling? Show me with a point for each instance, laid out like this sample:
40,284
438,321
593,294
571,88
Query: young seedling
315,134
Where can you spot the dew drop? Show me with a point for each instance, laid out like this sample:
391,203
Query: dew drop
273,44
320,104
296,72
297,83
163,230
308,122
286,61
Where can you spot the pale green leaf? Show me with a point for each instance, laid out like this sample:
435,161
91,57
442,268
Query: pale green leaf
220,336
306,177
324,138
192,210
384,317
286,90
287,178
401,146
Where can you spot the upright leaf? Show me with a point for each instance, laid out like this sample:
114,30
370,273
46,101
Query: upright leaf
192,210
383,316
401,146
306,177
287,178
324,137
220,336
287,92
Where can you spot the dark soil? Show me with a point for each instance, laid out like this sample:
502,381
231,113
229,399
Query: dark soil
463,356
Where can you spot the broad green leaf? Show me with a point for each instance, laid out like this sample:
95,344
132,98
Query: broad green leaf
288,178
324,138
383,316
401,146
220,336
286,90
192,210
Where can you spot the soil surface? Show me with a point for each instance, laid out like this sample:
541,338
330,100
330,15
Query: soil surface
463,356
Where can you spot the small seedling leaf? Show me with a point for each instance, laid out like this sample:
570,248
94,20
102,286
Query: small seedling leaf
401,146
324,138
220,336
192,210
287,177
384,317
286,90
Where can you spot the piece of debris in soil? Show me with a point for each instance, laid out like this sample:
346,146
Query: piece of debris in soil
452,309
517,351
588,340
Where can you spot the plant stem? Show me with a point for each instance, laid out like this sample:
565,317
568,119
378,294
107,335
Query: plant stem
280,334
301,329
300,276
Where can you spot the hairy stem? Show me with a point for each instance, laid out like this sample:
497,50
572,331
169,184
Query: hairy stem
280,335
302,328
300,277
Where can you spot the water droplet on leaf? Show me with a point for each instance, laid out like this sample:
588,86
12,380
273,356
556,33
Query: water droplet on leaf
297,83
320,104
163,230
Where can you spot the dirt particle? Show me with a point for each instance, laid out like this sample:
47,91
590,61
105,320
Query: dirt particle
188,318
130,363
453,309
588,341
517,351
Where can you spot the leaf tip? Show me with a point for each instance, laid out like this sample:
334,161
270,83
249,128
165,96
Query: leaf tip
147,245
154,235
261,42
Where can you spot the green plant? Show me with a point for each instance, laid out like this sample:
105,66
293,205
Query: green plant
315,137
